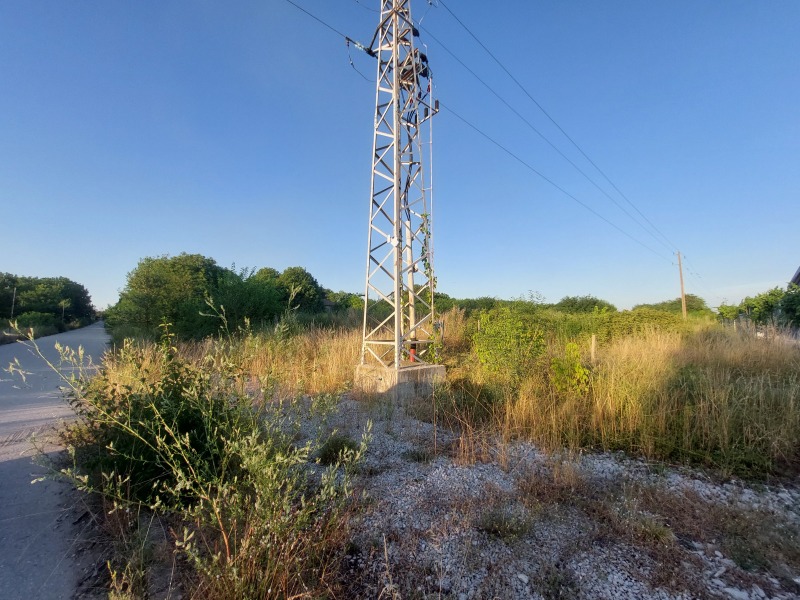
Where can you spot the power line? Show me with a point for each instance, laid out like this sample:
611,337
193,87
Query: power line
318,20
550,181
697,277
545,138
540,107
499,145
348,40
365,7
352,64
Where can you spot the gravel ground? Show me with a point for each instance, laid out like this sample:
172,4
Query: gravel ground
465,517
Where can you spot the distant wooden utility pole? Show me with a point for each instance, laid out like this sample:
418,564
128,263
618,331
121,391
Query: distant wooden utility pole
683,293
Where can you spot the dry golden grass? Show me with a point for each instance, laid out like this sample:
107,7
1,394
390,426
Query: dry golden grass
134,366
719,397
716,396
456,333
314,362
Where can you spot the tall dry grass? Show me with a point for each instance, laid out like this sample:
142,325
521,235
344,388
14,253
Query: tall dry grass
715,396
316,361
455,330
718,397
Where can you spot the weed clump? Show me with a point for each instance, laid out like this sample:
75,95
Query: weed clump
336,449
503,523
161,433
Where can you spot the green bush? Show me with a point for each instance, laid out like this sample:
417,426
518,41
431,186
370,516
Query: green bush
641,320
507,343
568,374
335,449
155,431
39,320
160,432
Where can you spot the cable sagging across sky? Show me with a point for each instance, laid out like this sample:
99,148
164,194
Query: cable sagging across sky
552,120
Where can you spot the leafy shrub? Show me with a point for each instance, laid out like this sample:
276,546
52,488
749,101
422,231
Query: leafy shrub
336,449
39,321
640,321
568,373
507,343
156,430
166,433
790,306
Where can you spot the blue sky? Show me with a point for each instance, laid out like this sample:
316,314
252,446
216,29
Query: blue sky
240,131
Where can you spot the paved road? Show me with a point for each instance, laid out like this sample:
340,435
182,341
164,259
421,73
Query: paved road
36,531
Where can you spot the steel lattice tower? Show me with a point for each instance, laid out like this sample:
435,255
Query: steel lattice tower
398,302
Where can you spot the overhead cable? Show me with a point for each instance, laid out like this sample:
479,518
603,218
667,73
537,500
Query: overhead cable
566,135
545,138
347,38
499,145
530,167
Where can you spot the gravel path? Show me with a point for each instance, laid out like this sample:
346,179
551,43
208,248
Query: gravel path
475,518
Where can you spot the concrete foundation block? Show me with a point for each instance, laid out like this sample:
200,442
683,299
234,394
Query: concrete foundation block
405,383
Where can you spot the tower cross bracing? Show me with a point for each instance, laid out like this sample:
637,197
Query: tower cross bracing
398,301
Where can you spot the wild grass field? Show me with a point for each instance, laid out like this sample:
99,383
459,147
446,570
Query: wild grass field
206,433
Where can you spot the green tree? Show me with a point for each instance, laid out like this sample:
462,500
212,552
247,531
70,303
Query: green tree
477,304
243,296
762,309
79,307
166,288
729,312
64,305
267,275
694,305
345,300
198,297
9,285
583,304
301,289
790,306
60,297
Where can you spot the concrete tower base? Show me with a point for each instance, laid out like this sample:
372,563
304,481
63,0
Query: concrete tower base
405,384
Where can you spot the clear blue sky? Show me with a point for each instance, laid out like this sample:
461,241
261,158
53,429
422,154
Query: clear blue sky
239,130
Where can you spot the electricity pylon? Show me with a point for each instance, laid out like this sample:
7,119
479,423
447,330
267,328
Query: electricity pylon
398,302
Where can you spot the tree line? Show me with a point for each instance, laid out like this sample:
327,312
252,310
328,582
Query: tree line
44,302
773,307
196,296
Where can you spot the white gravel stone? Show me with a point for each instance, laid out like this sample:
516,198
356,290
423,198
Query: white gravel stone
736,594
429,516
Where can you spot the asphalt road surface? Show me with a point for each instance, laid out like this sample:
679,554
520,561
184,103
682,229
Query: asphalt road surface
37,535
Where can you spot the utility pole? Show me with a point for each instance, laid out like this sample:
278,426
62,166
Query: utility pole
683,293
398,326
13,301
